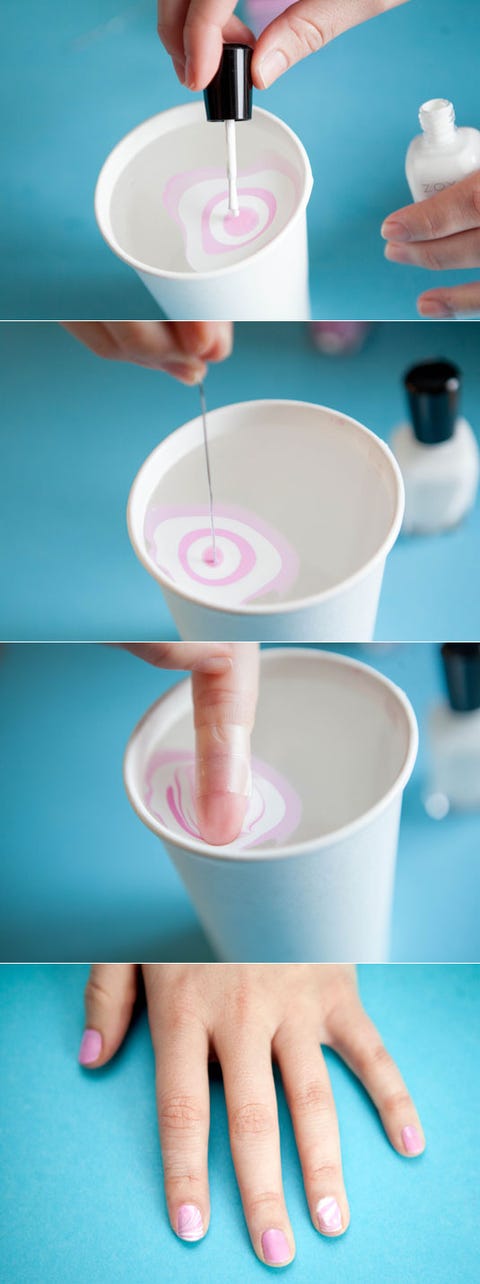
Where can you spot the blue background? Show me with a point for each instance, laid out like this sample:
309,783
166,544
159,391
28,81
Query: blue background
81,1170
82,878
76,429
77,77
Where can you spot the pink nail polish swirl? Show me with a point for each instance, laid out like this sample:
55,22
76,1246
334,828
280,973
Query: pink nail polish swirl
189,1222
274,808
197,200
253,558
329,1215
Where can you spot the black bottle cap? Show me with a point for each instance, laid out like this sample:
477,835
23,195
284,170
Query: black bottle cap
433,389
229,94
461,664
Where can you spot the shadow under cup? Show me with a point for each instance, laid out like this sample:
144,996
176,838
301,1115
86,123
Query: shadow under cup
336,743
161,204
307,503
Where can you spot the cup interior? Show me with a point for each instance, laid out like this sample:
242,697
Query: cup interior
338,734
316,495
164,191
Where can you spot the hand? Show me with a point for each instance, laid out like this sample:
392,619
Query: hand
225,691
441,232
181,348
244,1016
193,32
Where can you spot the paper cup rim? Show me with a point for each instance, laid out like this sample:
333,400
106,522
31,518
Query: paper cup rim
206,851
290,605
102,209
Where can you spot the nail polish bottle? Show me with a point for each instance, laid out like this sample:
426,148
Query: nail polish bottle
437,450
443,153
454,734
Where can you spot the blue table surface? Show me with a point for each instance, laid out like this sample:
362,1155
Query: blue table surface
76,78
82,878
76,429
81,1168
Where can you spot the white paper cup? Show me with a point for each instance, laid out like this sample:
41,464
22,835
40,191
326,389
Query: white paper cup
343,740
319,499
158,206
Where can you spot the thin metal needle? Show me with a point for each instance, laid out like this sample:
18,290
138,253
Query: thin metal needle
232,167
203,405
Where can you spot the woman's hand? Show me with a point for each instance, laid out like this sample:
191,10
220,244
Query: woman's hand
441,232
245,1016
193,32
180,348
225,691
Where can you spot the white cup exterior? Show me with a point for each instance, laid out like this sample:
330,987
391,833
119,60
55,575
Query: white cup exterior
320,901
271,283
346,612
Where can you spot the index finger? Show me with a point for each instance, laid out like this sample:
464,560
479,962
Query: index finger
224,713
456,209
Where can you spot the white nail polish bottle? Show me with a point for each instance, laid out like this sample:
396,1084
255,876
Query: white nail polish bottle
443,153
454,734
437,451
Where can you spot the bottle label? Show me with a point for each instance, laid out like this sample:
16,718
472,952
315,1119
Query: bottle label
430,188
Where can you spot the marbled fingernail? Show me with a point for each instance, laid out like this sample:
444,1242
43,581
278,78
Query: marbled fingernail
90,1047
412,1140
275,1248
189,1222
329,1215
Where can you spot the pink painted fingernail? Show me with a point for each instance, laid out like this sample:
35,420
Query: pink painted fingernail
275,1248
412,1140
329,1215
393,231
90,1047
189,1222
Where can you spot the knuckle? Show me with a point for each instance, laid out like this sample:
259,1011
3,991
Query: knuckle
220,707
309,34
312,1098
395,1102
183,1005
241,1002
180,1113
475,195
325,1171
252,1119
257,1203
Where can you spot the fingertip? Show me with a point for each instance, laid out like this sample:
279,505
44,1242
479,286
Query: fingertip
220,817
412,1142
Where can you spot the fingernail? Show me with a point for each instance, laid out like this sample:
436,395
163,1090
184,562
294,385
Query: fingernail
189,1222
329,1215
90,1047
275,1248
189,372
189,76
214,664
434,308
393,231
411,1139
397,253
271,66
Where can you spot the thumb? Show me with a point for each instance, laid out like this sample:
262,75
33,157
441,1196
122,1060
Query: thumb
224,713
109,998
304,28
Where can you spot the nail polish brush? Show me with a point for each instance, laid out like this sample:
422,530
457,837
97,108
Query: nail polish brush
228,98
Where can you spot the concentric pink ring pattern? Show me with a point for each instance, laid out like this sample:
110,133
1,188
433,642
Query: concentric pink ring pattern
197,201
274,808
253,559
